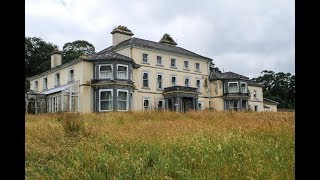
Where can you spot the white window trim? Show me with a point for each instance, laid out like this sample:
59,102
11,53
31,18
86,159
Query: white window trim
163,101
175,63
157,60
36,85
171,80
45,85
237,86
246,89
148,79
105,65
186,68
123,65
189,85
161,74
69,75
199,90
103,90
195,67
123,90
143,99
147,59
56,82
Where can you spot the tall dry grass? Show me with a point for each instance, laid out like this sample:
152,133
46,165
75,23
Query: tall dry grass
160,145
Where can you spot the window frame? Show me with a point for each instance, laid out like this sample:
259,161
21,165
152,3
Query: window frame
175,63
200,102
237,87
100,71
246,87
199,89
188,81
127,105
45,85
123,65
163,106
144,99
254,94
176,80
197,70
36,85
104,90
184,67
159,74
57,80
145,62
69,75
144,79
161,64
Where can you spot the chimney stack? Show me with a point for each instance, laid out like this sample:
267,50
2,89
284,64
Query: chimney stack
56,58
119,34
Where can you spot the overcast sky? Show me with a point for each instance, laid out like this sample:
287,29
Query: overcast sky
243,36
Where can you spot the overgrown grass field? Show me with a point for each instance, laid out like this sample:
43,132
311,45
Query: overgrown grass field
160,145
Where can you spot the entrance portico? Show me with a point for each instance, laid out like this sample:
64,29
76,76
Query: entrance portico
181,98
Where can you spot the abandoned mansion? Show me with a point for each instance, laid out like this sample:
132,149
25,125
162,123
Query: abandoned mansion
139,74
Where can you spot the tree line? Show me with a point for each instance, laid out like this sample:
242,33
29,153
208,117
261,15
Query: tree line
279,86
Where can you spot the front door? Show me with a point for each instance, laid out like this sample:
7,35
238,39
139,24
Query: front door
186,104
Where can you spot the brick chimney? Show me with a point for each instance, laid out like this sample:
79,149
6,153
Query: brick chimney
56,58
119,34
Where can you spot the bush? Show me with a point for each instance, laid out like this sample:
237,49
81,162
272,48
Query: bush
72,124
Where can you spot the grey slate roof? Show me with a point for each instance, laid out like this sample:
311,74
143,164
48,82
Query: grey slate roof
232,75
108,54
157,46
269,101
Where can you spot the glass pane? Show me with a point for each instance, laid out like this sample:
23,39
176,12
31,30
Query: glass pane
122,68
145,83
160,103
122,95
122,75
105,68
146,103
106,105
159,78
145,76
122,105
105,95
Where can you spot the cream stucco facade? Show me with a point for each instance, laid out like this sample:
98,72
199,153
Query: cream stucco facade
178,78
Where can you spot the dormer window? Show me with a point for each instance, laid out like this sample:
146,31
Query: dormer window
105,71
233,87
122,71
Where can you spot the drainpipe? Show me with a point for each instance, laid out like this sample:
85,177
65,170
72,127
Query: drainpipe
209,89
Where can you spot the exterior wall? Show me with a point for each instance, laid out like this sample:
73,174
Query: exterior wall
125,52
118,37
258,101
218,104
166,71
273,107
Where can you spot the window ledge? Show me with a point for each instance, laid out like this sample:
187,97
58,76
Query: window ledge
146,88
174,67
186,69
159,89
145,63
161,65
197,71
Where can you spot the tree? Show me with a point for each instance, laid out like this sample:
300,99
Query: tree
37,56
73,50
216,69
279,87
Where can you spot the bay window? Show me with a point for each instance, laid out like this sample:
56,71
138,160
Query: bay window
106,100
122,96
105,71
122,71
